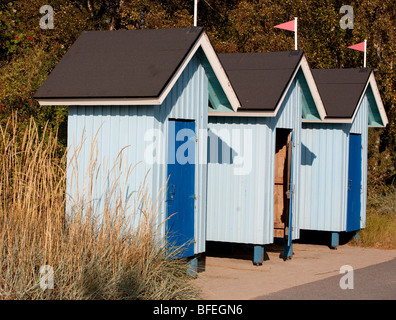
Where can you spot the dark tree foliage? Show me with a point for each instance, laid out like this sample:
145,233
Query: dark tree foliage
28,53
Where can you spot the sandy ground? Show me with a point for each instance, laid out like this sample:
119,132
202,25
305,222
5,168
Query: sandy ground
233,277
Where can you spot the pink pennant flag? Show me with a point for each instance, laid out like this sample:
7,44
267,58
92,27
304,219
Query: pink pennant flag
291,26
358,46
361,46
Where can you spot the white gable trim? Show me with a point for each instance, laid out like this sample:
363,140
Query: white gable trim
219,71
312,87
378,100
203,42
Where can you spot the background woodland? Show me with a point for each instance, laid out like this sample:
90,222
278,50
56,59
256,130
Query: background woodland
29,53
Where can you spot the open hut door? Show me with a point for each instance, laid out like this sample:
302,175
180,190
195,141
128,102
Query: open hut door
282,188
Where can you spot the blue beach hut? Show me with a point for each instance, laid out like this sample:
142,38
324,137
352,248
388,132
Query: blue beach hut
333,172
254,152
145,93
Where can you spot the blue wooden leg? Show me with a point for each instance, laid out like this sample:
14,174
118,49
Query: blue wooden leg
258,257
335,239
288,251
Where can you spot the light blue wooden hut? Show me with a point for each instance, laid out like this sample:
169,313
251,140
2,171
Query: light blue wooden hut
254,153
333,184
145,93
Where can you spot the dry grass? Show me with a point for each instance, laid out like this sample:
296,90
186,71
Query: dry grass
380,231
93,256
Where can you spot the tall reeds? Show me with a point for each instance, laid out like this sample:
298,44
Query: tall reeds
112,251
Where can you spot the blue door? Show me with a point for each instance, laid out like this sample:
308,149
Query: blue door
181,187
354,182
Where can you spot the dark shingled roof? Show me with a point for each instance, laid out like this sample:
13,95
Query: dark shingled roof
341,89
119,64
259,79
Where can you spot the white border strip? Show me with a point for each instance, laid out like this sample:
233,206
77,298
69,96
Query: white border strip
241,114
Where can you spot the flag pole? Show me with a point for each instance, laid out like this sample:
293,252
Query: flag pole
295,33
365,50
195,12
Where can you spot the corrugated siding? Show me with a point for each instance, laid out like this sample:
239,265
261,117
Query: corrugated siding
114,123
324,164
241,204
289,113
133,127
324,173
360,125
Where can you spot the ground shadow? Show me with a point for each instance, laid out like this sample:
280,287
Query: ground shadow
245,251
232,250
323,238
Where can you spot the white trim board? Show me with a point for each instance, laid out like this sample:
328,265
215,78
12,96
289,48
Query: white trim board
98,101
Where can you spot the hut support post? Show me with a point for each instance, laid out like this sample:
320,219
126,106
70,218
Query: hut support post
288,251
335,239
258,257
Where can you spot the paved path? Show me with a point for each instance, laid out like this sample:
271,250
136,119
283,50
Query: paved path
229,278
377,282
